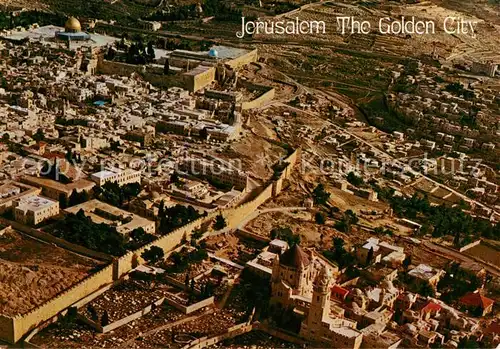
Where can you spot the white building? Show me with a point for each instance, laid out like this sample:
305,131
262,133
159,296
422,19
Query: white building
35,209
121,177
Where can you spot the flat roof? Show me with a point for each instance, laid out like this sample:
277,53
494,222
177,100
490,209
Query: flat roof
226,52
423,271
104,174
35,203
199,70
50,183
89,208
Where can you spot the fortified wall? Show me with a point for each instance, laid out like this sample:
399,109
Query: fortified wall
13,329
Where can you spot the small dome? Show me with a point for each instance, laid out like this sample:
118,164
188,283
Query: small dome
213,53
73,25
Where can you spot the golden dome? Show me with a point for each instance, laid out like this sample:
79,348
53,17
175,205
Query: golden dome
73,25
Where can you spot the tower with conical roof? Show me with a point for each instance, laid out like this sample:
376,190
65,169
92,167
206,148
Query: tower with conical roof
292,273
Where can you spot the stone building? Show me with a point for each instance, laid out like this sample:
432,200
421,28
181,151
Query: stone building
303,282
35,209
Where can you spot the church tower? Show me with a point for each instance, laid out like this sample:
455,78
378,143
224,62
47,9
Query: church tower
320,305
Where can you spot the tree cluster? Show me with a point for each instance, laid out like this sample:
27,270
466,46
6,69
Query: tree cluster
139,238
347,221
79,229
175,217
137,53
117,195
285,234
183,259
220,222
355,180
320,195
338,254
153,254
457,282
443,220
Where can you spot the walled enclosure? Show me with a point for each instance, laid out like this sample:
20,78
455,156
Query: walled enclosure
13,329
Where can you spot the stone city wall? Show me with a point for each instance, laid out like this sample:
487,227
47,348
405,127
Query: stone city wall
118,68
472,244
243,60
13,329
267,95
22,324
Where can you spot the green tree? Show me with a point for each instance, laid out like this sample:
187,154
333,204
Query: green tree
426,290
354,180
369,256
105,318
197,234
320,195
153,254
39,135
285,234
63,200
407,262
220,222
319,218
138,238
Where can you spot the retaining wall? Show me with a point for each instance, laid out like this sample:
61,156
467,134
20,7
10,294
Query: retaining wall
471,245
233,331
119,68
259,101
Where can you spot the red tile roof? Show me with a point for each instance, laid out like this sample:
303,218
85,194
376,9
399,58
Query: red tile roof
475,299
494,327
430,307
340,291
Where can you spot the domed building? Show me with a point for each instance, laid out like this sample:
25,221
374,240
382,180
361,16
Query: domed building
213,53
72,31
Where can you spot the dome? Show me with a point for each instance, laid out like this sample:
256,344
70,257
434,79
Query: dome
213,53
73,25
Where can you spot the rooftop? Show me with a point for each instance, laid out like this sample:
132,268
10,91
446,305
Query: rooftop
476,299
295,257
423,271
34,203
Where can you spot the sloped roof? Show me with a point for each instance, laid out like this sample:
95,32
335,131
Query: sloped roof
340,291
295,257
431,307
475,299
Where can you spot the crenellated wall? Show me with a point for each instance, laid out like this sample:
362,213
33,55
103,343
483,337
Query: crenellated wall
13,329
22,324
